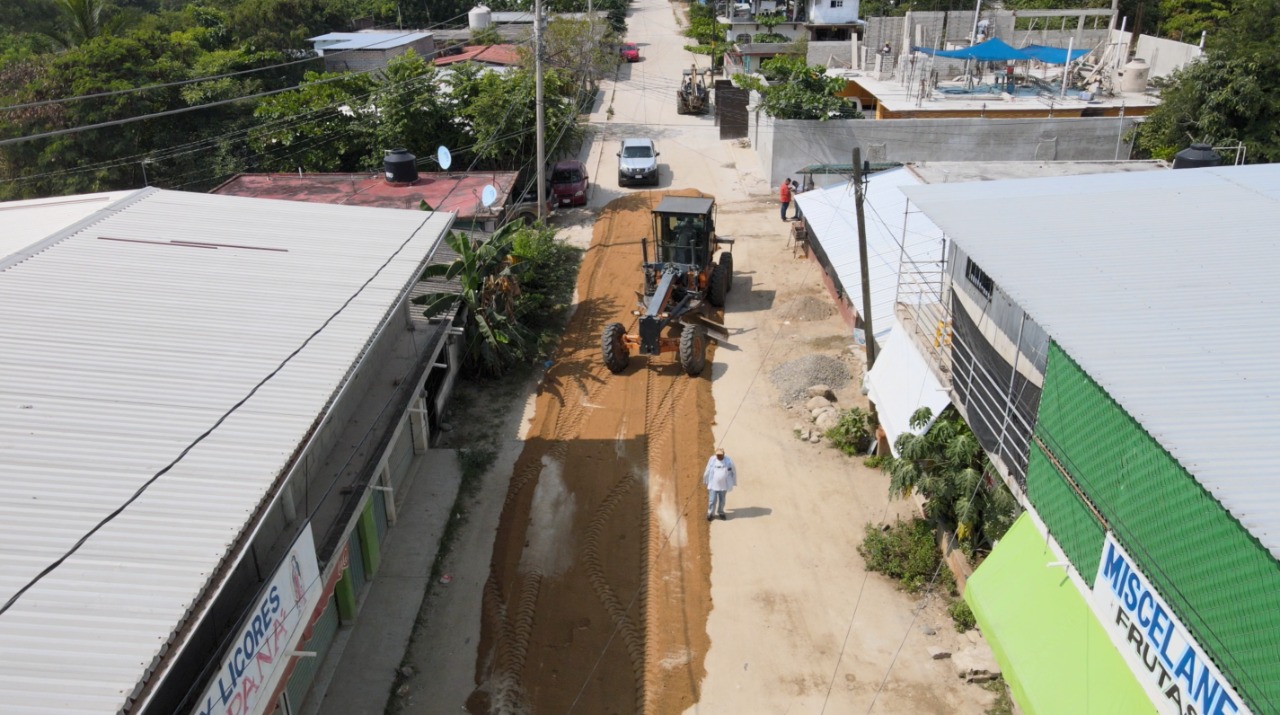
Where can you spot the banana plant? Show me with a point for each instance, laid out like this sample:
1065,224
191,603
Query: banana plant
486,273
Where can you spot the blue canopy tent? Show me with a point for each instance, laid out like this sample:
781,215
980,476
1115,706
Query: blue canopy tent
996,50
1053,55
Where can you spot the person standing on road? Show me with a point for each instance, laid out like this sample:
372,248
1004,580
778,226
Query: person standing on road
720,477
784,195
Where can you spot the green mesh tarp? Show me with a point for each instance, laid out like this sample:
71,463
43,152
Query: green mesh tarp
1050,646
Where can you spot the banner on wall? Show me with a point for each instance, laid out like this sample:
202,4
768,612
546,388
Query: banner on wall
1175,671
259,656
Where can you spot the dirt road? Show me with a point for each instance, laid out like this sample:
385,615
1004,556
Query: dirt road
597,596
582,585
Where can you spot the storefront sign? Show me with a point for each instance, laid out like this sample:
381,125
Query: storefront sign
1178,676
260,653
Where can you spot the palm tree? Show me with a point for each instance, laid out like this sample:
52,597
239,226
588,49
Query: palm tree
83,20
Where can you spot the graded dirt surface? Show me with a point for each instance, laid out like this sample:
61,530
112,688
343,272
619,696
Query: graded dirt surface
585,579
598,591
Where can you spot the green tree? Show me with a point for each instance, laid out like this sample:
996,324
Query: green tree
947,466
82,20
503,109
798,91
339,131
103,64
1231,95
578,47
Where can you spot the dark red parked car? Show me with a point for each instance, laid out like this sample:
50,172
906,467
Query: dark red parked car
629,52
569,183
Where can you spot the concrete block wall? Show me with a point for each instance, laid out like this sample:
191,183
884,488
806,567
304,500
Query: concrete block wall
830,54
784,146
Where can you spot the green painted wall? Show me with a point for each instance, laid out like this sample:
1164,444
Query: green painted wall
1223,584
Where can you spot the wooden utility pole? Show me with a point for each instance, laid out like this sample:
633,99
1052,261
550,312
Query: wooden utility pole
858,188
540,119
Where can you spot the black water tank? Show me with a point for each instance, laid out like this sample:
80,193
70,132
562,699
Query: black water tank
1196,156
401,166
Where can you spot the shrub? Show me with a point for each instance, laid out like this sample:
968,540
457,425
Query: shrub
962,615
874,462
852,435
906,552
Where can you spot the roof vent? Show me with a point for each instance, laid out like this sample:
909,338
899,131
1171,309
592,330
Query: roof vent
401,167
1196,156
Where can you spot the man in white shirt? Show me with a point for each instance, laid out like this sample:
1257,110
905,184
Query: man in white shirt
720,477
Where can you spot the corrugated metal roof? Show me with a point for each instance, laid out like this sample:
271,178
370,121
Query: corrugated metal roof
894,236
1162,285
339,41
120,345
23,223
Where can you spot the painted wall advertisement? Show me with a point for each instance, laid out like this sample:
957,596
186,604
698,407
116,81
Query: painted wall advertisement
1175,671
259,655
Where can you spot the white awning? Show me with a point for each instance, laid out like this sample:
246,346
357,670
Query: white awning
901,383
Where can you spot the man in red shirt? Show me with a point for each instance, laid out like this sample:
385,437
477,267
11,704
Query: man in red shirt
784,195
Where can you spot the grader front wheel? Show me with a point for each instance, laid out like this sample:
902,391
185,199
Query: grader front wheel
614,349
693,349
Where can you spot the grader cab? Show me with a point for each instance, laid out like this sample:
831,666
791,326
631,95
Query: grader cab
681,280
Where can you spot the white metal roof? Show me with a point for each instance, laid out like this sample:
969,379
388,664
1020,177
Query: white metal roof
22,223
900,383
894,236
120,345
338,41
1163,286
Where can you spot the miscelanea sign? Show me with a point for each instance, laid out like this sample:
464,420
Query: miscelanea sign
1174,670
258,656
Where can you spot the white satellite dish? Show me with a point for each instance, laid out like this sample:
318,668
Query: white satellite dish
488,195
444,157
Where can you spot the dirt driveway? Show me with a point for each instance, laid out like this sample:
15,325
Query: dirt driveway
585,579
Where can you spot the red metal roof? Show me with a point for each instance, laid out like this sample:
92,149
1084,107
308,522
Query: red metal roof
458,192
505,55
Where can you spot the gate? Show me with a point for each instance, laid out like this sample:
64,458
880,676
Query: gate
731,110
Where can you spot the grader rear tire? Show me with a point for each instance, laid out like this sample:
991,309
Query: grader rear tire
693,349
726,260
719,284
613,349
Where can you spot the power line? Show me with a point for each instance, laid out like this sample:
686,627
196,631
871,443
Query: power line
209,78
170,112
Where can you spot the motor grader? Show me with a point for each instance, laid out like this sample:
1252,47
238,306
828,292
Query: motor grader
683,278
693,96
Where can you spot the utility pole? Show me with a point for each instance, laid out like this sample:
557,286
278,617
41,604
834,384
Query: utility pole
540,119
858,189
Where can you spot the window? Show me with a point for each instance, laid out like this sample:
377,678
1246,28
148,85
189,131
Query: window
837,3
978,278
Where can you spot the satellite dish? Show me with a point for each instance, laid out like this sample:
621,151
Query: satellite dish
488,195
444,157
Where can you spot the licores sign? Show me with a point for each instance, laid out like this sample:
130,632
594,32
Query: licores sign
258,656
1175,671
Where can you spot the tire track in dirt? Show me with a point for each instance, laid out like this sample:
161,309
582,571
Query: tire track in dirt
508,665
546,633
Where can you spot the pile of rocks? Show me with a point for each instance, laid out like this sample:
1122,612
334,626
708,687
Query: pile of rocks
823,414
791,378
975,665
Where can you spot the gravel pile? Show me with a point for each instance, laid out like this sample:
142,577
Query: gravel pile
810,308
793,378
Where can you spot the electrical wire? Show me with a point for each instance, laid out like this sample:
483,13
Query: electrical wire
209,78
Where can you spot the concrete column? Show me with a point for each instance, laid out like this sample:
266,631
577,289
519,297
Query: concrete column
419,425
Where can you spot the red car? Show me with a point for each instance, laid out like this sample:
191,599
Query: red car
569,183
629,52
